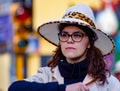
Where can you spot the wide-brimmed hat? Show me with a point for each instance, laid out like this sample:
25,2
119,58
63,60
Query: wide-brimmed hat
79,14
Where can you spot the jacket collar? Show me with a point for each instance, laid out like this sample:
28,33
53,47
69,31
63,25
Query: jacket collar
56,74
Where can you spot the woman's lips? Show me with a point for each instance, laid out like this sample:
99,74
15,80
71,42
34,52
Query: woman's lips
70,48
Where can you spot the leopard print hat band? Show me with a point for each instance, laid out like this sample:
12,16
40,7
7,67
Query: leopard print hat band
79,16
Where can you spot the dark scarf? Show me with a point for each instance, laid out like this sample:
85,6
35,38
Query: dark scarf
76,71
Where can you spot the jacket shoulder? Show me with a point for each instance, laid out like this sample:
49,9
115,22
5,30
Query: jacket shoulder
44,75
44,69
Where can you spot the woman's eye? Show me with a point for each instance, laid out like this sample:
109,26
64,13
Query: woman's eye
77,35
64,35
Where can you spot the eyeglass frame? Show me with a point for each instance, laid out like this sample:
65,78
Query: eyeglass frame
71,35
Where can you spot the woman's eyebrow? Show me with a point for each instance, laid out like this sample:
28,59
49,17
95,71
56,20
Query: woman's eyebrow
73,32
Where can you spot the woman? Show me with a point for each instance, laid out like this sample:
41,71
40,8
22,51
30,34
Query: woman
77,64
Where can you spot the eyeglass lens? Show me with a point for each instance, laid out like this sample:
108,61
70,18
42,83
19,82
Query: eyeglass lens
77,36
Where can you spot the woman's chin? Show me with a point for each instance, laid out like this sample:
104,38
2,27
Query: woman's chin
70,56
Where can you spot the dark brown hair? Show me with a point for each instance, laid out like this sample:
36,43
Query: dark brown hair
97,67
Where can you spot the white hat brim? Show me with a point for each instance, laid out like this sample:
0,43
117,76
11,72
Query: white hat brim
49,31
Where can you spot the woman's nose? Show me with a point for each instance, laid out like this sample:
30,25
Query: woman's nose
70,39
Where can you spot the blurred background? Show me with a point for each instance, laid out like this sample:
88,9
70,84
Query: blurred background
22,51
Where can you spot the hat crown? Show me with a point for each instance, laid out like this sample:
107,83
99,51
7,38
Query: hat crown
83,9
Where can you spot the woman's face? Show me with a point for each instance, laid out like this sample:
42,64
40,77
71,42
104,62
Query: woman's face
75,47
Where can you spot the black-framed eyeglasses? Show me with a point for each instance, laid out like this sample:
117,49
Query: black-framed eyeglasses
76,36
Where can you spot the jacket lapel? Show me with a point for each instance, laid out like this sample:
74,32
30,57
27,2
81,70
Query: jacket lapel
57,75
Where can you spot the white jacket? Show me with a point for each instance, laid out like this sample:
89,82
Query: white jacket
46,75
